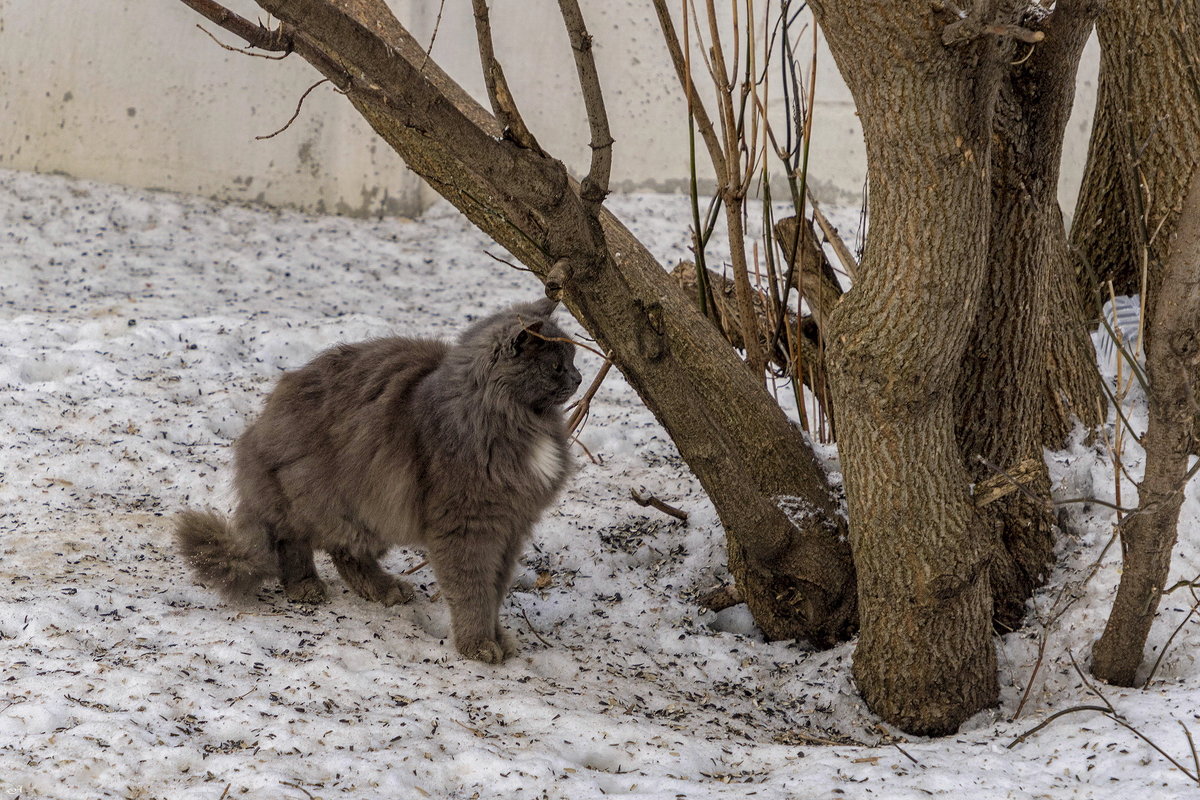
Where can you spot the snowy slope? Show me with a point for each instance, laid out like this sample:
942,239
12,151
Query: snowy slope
140,330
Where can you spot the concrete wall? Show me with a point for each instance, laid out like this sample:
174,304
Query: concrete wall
133,93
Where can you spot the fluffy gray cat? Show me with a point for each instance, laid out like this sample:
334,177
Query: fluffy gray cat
456,448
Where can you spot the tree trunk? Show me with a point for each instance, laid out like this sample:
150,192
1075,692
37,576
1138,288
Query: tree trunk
1145,141
1148,536
795,572
925,659
1005,383
1136,225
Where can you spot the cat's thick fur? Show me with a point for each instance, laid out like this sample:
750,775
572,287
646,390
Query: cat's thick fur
456,448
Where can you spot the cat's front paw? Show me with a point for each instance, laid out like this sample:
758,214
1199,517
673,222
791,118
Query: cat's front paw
506,641
488,651
387,591
396,593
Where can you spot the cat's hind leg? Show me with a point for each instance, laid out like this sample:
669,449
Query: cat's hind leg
297,571
362,573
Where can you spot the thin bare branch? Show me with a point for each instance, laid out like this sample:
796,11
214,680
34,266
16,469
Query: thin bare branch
529,622
504,106
695,104
1192,746
584,404
595,185
1051,718
849,263
437,24
646,499
295,113
506,262
1167,645
255,35
242,50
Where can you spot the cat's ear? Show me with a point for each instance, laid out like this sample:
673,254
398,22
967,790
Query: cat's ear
545,307
528,334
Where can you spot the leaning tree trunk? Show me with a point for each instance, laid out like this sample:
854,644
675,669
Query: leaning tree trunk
925,659
1148,535
794,572
1007,395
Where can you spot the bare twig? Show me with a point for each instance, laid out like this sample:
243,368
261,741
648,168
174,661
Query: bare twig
478,733
1015,32
256,35
307,793
695,104
1109,711
1195,777
504,106
646,499
1055,615
532,629
420,566
283,39
906,754
1050,505
1167,645
1191,746
437,23
849,263
595,185
506,262
584,404
1089,685
243,50
566,339
1051,718
595,459
295,113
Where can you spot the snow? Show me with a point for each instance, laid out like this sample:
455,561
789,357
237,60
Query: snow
141,330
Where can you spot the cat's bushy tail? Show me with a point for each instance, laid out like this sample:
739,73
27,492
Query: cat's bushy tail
233,560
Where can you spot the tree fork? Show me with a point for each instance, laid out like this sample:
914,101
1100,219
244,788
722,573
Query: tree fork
796,575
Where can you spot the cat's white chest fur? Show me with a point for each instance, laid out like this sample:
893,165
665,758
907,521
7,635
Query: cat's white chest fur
545,460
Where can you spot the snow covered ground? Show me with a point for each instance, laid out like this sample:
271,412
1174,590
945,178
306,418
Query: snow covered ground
140,330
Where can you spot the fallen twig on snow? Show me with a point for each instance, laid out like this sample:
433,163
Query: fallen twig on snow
646,499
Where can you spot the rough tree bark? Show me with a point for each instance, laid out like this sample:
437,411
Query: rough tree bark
1135,225
1145,140
1148,536
795,573
1007,393
941,354
925,659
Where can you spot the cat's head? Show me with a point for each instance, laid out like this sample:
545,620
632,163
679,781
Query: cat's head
524,355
